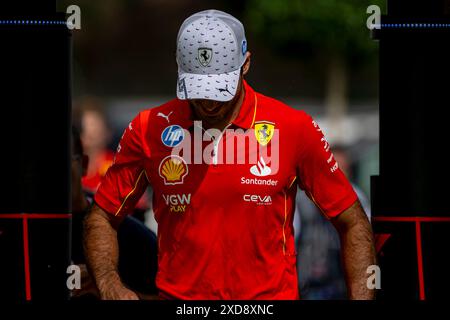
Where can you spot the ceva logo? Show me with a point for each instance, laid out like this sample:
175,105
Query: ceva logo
260,200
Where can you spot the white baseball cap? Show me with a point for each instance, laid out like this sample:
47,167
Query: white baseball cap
211,49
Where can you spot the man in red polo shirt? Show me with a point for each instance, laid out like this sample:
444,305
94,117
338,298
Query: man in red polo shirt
224,162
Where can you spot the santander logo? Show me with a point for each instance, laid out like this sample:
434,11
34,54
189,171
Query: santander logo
260,169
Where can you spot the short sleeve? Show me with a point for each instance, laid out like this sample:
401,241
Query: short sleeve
318,172
125,181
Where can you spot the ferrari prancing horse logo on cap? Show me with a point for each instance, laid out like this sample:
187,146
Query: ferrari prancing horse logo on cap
205,56
264,132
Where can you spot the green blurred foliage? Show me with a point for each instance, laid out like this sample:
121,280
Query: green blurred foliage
294,27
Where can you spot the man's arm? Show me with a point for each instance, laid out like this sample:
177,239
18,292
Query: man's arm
102,254
358,250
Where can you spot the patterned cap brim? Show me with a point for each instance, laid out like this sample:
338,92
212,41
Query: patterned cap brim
218,87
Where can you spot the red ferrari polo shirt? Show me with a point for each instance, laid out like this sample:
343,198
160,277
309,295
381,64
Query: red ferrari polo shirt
224,204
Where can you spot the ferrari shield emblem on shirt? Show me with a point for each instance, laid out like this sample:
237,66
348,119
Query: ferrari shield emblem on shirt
264,132
204,56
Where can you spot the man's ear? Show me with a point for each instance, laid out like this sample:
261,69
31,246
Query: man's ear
84,164
246,65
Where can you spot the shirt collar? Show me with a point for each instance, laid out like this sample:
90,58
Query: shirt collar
247,112
245,118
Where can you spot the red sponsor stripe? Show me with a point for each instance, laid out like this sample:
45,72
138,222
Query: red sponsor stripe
412,219
35,215
26,255
420,261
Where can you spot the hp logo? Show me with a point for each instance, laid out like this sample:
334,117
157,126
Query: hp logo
172,136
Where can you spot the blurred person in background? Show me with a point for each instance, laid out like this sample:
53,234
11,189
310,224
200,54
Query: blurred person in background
96,137
321,275
342,156
137,244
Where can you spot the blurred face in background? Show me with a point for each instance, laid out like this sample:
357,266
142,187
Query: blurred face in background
95,134
343,161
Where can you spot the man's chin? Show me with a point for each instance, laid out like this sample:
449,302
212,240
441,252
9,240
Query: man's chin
212,119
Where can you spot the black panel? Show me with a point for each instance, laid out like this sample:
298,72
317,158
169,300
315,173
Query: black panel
398,261
414,98
49,258
35,129
413,93
28,7
417,8
12,272
436,254
35,122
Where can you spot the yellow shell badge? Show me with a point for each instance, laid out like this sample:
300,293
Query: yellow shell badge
264,132
173,169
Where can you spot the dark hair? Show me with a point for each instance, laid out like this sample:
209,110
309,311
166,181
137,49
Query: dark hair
77,147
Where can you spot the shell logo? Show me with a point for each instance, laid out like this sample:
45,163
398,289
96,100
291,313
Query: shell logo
173,169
